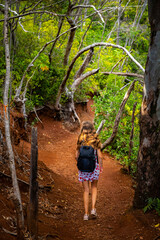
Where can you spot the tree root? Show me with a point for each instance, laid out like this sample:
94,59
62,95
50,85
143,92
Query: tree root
9,232
24,182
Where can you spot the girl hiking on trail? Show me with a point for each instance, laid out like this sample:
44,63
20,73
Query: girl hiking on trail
88,137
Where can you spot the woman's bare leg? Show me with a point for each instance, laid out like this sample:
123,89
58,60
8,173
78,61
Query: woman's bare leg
94,193
86,196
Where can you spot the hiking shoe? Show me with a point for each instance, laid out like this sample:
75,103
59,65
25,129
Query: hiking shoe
86,217
93,213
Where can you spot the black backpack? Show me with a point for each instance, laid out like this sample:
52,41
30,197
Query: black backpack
86,160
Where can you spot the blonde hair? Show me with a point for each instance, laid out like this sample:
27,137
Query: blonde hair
87,125
89,136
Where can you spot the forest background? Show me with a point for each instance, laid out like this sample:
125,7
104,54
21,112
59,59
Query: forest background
43,32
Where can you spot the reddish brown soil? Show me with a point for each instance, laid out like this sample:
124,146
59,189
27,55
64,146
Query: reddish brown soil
61,207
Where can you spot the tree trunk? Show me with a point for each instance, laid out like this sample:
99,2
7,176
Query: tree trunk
1,140
118,117
70,116
131,137
33,190
100,127
119,21
70,41
17,197
56,39
148,172
69,112
84,64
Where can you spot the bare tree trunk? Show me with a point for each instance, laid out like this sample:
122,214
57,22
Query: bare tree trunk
70,112
70,41
33,190
148,166
131,136
1,146
118,117
24,99
119,21
17,196
54,43
73,24
100,127
85,63
1,140
70,107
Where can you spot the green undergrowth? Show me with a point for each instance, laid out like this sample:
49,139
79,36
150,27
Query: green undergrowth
153,204
106,106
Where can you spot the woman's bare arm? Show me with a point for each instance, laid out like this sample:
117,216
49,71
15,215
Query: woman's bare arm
99,153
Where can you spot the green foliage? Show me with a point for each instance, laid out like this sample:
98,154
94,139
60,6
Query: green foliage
153,204
43,87
106,107
34,122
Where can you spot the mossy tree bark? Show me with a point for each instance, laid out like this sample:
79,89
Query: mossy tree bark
148,173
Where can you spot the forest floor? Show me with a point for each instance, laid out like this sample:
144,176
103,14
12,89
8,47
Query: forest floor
61,201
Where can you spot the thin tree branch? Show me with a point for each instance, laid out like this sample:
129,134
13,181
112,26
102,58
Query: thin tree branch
80,45
117,63
25,90
9,232
16,14
124,74
36,4
78,81
24,182
109,35
118,117
100,127
33,12
38,117
90,6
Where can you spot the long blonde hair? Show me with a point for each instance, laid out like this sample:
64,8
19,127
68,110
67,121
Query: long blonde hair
87,125
89,136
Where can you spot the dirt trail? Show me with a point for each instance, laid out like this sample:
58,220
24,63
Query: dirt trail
116,218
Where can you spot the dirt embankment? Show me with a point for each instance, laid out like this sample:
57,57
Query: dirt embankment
60,201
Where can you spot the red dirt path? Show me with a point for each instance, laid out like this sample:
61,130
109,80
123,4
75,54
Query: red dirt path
116,218
61,208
